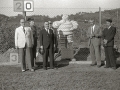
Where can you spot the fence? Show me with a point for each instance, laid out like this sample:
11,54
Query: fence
9,20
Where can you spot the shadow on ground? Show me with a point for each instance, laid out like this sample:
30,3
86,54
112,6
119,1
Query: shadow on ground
58,64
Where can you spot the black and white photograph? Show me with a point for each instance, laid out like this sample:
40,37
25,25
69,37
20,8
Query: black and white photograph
59,44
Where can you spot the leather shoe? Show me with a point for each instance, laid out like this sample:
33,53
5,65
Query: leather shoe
45,68
32,70
98,66
23,70
92,64
106,67
114,68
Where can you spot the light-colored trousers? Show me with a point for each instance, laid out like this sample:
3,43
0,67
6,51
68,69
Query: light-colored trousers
25,57
95,53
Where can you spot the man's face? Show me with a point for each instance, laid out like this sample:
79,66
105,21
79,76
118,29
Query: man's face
108,23
32,23
22,22
50,24
46,25
92,23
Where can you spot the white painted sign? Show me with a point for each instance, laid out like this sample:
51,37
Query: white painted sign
28,6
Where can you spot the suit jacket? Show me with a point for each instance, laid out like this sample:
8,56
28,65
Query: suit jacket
47,39
34,31
23,38
109,35
98,34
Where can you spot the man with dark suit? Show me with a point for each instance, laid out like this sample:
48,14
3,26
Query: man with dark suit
108,42
47,45
34,31
94,34
55,36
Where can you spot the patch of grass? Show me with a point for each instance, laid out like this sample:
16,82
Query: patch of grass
71,77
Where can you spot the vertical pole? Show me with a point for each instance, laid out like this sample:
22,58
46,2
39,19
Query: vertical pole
24,15
117,19
99,16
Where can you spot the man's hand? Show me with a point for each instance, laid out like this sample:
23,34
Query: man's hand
41,47
54,45
105,41
102,47
16,47
41,50
91,36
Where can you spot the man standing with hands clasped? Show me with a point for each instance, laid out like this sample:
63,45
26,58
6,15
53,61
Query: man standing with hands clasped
94,34
34,31
24,43
108,42
47,45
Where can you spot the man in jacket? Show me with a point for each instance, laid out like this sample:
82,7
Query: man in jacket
24,43
94,34
47,45
108,40
55,36
34,31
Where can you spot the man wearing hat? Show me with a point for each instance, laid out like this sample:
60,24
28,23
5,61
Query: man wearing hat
94,34
34,30
108,42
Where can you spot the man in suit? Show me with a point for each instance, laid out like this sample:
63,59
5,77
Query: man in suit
34,31
108,42
24,43
94,34
47,45
55,36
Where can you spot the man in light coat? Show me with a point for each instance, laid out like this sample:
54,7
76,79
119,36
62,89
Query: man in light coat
94,34
24,43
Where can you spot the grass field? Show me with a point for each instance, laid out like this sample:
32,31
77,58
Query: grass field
66,77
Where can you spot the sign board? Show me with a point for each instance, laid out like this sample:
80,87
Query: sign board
14,58
18,5
28,6
23,5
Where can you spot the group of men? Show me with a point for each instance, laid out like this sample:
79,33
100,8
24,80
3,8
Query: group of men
97,37
26,42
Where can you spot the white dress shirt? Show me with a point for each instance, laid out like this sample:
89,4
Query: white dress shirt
92,29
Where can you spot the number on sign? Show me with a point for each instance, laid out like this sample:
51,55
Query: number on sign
18,5
28,6
15,57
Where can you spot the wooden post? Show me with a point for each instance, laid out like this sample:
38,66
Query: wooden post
99,16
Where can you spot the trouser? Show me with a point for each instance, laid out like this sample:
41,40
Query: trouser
25,56
110,57
95,54
48,52
33,55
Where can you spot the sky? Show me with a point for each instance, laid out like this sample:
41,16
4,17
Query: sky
58,7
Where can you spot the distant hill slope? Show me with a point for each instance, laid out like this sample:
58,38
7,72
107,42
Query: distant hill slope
80,17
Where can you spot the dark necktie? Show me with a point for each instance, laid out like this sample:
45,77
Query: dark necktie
48,31
23,29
